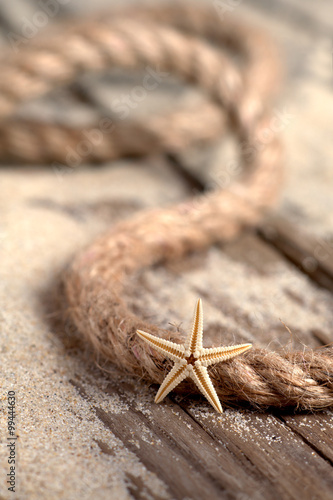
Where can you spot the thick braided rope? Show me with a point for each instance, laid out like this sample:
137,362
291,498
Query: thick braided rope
25,141
192,44
96,45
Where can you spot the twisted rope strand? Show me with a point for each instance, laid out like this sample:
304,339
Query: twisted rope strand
41,70
92,46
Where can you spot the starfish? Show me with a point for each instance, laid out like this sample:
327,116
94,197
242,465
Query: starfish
191,359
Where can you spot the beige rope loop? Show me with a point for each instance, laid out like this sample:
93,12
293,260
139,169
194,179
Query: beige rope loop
260,63
94,45
235,66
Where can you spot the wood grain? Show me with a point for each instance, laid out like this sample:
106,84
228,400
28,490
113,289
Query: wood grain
313,255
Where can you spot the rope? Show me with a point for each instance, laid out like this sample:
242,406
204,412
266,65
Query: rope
235,66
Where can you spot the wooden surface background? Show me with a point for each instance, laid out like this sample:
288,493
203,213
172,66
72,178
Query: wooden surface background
89,434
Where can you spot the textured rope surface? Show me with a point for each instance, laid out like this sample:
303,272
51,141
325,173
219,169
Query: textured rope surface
181,44
235,66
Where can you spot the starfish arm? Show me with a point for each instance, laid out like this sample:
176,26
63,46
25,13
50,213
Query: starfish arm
171,350
216,354
193,342
201,378
178,373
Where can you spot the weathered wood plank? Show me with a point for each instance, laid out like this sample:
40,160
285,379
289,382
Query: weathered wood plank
279,455
300,14
233,450
156,453
316,431
313,255
17,15
254,290
85,7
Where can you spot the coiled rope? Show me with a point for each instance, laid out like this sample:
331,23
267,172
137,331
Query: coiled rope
235,65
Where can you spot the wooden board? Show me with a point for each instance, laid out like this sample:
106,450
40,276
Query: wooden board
85,433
